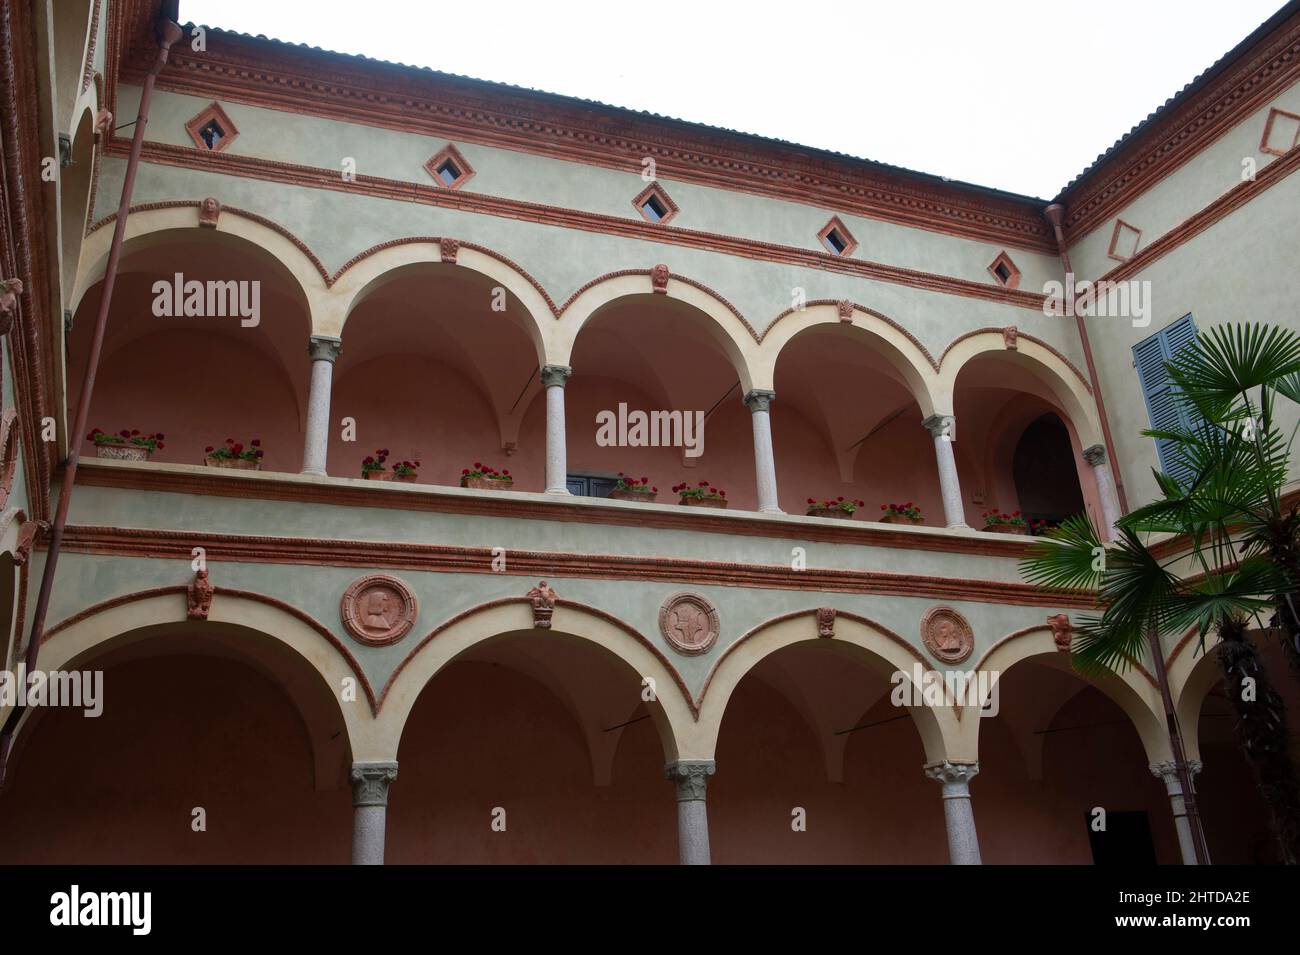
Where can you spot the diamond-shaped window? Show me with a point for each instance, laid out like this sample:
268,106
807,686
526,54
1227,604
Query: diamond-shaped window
1004,271
654,205
837,238
212,130
449,168
1124,241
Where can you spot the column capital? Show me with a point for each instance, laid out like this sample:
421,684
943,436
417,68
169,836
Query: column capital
370,783
691,776
955,777
554,376
759,399
1095,454
939,424
1168,769
324,348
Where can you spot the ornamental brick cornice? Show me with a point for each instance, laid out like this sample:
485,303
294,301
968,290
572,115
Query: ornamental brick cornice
315,82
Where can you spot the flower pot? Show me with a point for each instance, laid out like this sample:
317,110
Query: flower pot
1006,529
487,484
632,495
836,512
901,519
123,452
406,478
378,475
704,502
237,464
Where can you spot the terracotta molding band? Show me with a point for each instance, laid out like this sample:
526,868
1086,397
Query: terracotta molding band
1175,139
438,558
676,278
861,308
429,499
310,177
1088,680
561,602
180,590
280,76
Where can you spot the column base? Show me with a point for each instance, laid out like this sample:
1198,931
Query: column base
559,491
770,510
317,472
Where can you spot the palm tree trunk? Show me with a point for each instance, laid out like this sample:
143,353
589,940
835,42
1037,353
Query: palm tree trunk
1262,733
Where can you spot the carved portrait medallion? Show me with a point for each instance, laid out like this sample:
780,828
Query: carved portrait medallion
947,635
689,623
378,609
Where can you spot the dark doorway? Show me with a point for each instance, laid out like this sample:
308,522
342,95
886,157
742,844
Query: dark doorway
1043,467
1125,841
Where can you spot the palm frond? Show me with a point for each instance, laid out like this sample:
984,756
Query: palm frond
1068,557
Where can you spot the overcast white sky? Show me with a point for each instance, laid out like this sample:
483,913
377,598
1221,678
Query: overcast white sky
1015,94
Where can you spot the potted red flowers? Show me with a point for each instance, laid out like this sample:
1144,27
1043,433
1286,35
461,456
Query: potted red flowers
996,522
633,489
373,467
701,495
907,513
125,445
842,508
406,471
485,478
235,455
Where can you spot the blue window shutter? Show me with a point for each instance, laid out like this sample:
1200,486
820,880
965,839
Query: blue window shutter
1163,407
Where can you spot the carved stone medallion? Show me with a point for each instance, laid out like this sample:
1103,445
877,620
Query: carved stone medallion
947,635
689,623
378,609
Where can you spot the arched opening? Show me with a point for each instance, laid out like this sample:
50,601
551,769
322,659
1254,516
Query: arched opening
1017,448
437,366
532,746
653,353
238,368
816,765
846,423
1064,776
1042,468
215,745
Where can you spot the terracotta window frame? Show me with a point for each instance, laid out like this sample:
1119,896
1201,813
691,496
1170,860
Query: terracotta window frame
837,225
449,152
656,191
1273,114
212,111
1120,226
1013,274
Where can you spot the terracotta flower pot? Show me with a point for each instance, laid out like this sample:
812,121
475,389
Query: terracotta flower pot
1006,529
237,464
487,484
901,519
406,478
123,452
836,512
632,495
704,502
379,475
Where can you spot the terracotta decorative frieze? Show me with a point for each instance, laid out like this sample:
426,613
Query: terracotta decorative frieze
845,310
1009,336
209,213
1062,631
947,635
378,609
448,249
659,276
825,621
28,535
198,596
689,622
542,598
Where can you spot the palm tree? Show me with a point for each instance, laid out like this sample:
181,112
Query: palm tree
1223,497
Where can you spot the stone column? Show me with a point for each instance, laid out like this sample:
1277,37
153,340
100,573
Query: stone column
963,845
759,403
1096,456
942,428
1166,771
370,806
557,455
691,776
323,351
